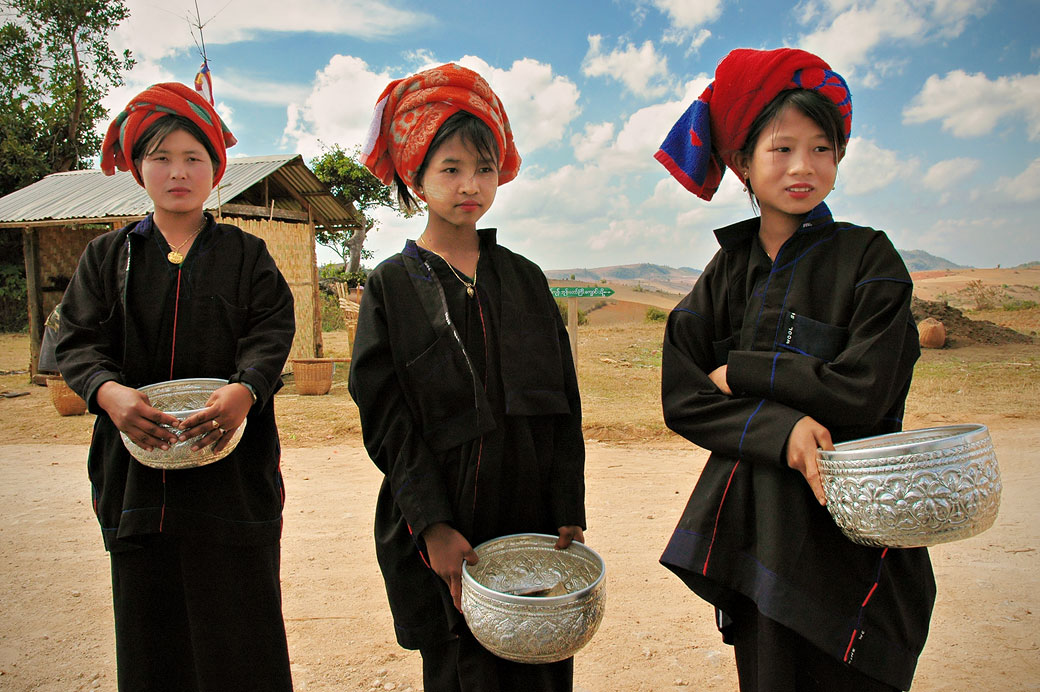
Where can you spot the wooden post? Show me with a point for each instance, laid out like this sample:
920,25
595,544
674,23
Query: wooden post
572,328
30,248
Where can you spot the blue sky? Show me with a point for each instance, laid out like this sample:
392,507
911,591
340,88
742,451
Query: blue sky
945,149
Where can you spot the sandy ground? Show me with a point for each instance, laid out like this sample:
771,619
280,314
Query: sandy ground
56,629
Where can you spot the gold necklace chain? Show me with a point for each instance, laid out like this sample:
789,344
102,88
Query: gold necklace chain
176,257
470,285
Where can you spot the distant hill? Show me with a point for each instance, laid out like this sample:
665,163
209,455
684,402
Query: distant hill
680,280
921,261
652,276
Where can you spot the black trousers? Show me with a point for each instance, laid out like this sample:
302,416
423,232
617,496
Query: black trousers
193,616
774,658
463,665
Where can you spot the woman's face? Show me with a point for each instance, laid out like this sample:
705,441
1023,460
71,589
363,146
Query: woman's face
459,185
178,174
793,165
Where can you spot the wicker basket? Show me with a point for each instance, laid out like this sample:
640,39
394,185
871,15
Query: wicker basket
313,375
65,400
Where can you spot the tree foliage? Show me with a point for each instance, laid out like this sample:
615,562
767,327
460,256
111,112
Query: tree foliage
55,68
358,189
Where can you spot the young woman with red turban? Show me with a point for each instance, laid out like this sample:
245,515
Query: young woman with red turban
463,377
797,335
194,552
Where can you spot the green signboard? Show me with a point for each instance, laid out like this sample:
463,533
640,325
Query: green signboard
581,291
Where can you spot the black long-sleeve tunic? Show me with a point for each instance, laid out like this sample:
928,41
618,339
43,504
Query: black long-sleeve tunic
825,331
234,320
470,407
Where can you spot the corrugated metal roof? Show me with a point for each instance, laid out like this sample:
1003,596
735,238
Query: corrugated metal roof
85,195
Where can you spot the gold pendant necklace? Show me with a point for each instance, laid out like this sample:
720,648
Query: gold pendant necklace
176,257
471,289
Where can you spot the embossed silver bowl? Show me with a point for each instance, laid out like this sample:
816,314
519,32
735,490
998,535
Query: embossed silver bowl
913,488
528,602
181,398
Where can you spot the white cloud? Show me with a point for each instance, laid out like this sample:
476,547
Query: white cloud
687,19
640,136
326,116
970,105
947,174
232,84
1025,187
690,15
590,143
642,69
226,113
540,105
867,167
853,32
156,30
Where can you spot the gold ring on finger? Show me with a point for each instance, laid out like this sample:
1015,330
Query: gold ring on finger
215,423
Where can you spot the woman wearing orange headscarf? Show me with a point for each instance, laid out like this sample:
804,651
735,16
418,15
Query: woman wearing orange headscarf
463,377
195,551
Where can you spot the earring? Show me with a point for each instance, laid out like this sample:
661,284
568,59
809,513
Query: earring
745,182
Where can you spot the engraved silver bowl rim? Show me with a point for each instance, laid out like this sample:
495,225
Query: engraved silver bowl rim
881,448
168,459
470,580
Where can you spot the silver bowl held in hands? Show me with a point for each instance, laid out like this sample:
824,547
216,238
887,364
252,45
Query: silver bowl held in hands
527,602
913,488
180,399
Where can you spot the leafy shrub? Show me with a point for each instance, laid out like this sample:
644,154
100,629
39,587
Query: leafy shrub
1018,304
583,315
655,314
985,297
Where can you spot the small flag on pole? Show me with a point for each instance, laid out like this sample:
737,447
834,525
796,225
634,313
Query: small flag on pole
203,83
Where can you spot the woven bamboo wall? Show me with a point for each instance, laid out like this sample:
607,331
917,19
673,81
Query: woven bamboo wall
59,251
292,246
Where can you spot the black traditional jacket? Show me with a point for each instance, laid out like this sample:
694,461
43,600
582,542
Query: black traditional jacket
470,407
234,320
823,331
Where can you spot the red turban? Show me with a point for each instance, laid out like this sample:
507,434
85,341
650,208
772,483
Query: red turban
155,102
715,127
410,111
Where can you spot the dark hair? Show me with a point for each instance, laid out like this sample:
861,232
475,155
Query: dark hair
817,107
154,135
474,133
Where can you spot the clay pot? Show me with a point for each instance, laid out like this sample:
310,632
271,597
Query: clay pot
932,333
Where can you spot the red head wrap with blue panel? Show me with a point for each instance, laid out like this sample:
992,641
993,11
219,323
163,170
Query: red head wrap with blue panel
714,128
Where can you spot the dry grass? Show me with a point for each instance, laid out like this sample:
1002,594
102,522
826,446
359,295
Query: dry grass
619,374
1026,321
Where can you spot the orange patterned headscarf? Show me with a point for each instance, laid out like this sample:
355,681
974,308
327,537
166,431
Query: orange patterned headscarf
155,102
410,111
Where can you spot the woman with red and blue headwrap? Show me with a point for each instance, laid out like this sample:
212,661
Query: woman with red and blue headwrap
463,378
195,552
797,335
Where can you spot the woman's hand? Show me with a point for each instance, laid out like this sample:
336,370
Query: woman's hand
133,414
225,410
569,534
718,377
806,437
447,549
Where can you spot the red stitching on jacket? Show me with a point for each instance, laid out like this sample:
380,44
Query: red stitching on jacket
870,594
718,514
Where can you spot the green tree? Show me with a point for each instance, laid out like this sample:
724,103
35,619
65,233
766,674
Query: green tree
55,68
359,190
